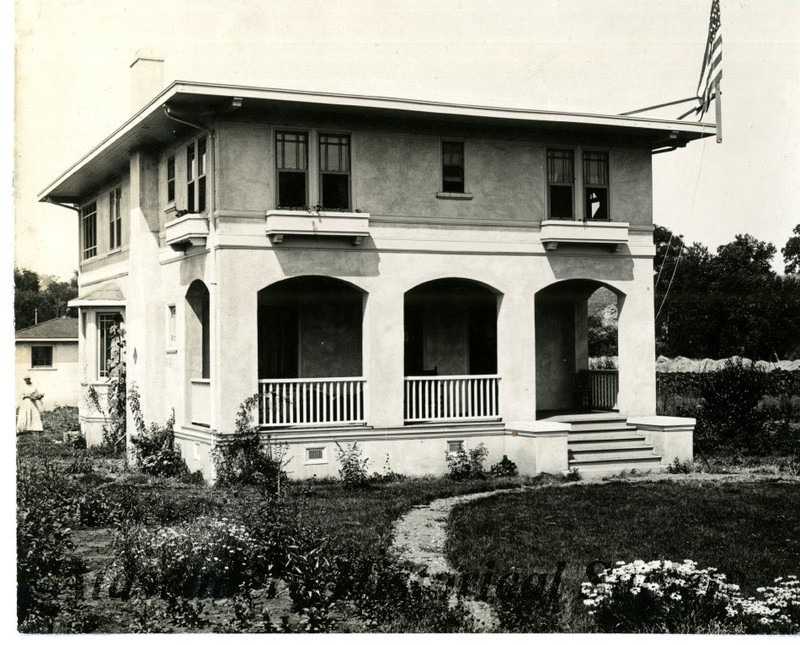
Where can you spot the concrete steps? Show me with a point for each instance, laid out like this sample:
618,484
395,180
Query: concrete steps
604,444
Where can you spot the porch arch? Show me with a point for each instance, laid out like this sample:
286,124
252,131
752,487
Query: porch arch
450,350
310,357
563,379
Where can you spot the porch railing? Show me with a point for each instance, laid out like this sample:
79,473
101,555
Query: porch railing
311,401
200,401
452,398
598,389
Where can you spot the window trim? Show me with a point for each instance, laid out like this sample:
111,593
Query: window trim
586,185
308,461
88,212
449,194
42,366
115,219
101,360
572,184
306,171
348,173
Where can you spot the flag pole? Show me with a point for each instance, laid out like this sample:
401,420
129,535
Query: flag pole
718,106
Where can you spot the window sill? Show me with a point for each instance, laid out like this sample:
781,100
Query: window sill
441,195
43,369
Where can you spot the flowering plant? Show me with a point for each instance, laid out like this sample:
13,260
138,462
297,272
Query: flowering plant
36,395
672,597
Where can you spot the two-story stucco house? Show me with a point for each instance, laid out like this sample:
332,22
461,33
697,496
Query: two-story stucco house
407,274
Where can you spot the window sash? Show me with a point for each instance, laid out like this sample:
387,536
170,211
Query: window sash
595,169
89,225
291,151
115,219
171,179
334,159
453,166
191,176
42,356
105,321
560,167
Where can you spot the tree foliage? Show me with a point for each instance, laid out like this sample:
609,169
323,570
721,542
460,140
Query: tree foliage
725,304
40,298
791,252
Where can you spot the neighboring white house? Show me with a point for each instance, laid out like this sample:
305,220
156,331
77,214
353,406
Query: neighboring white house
48,354
407,274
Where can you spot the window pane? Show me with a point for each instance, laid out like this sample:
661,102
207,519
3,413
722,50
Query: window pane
560,167
201,194
41,356
561,202
596,204
201,157
171,179
292,151
453,166
334,153
595,168
336,191
104,341
291,189
89,223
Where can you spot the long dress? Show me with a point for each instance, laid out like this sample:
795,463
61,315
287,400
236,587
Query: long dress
29,419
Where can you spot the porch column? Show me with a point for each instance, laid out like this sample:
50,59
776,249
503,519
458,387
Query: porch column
383,351
516,356
637,344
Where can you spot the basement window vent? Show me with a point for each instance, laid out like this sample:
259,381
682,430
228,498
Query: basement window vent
455,446
315,455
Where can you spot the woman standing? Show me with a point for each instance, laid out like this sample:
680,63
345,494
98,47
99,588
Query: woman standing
29,419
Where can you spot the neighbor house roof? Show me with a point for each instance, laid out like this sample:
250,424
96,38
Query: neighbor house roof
61,329
152,127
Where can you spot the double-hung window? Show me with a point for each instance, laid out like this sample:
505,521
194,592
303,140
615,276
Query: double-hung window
196,159
560,183
291,160
595,185
115,219
334,171
89,230
107,324
171,180
452,166
41,356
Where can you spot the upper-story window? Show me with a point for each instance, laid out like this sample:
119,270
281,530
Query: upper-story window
89,230
196,159
452,166
560,183
595,185
115,219
334,170
291,160
171,180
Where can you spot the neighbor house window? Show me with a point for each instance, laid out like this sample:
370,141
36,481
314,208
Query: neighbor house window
42,356
560,183
89,228
595,184
171,180
452,166
334,166
115,219
106,325
196,160
291,160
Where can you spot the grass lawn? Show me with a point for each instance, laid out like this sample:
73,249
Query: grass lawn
747,529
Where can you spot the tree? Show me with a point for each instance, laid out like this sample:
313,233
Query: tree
34,304
791,252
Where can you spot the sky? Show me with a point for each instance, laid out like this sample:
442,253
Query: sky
72,84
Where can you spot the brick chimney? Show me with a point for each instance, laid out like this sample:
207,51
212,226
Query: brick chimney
147,79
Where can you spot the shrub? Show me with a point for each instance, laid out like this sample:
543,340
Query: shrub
678,467
154,447
573,475
504,468
387,475
49,574
730,414
352,468
61,419
466,465
240,458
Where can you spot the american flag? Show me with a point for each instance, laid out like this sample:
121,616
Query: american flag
711,71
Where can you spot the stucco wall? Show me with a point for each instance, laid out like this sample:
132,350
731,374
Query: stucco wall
61,383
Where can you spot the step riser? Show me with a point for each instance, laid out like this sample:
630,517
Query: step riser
600,426
617,464
604,436
611,449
